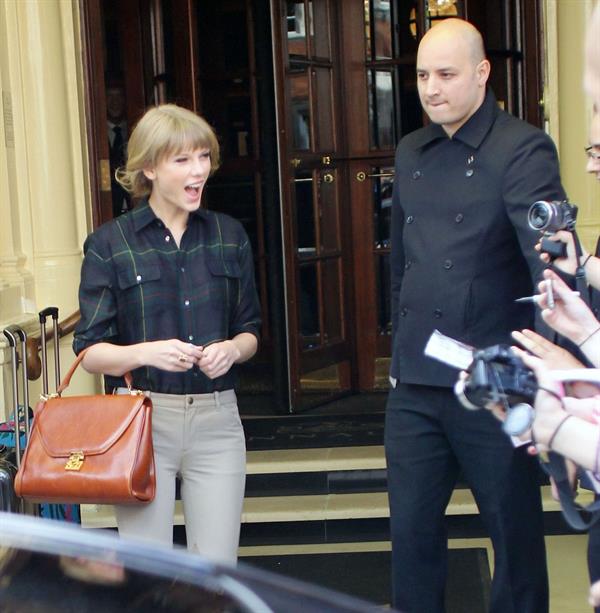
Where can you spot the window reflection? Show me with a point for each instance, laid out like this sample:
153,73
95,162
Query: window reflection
324,113
383,184
296,29
305,217
378,30
384,315
333,309
309,306
381,109
300,108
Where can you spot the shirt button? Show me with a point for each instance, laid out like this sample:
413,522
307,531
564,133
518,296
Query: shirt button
138,278
469,172
182,269
190,400
437,313
410,219
187,303
404,312
167,238
191,337
416,174
448,264
407,265
459,218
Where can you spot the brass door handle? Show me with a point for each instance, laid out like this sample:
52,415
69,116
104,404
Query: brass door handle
361,176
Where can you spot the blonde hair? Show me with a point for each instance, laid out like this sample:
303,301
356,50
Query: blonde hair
164,130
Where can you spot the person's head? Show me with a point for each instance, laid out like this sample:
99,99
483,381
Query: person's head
592,58
452,73
164,131
593,148
115,103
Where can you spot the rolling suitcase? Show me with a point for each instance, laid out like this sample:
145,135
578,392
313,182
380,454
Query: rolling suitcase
64,512
15,434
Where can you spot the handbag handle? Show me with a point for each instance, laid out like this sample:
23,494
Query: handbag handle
67,379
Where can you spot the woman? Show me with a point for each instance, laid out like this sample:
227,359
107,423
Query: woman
167,292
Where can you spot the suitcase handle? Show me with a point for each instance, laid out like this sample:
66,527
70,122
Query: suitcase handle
12,333
43,315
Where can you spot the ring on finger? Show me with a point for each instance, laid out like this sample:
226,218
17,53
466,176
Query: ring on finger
182,357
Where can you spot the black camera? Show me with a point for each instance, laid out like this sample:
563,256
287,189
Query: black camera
550,217
497,375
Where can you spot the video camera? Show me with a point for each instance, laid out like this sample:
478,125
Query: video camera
550,217
497,375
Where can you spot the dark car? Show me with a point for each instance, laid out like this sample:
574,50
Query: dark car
48,566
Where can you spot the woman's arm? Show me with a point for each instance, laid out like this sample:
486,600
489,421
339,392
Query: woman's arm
172,355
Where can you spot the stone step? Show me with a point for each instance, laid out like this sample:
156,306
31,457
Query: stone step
318,508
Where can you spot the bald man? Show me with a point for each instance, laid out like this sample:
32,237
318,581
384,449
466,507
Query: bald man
462,252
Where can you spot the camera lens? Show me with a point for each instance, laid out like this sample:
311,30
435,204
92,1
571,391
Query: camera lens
539,215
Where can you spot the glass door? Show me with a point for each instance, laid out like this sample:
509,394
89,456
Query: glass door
314,206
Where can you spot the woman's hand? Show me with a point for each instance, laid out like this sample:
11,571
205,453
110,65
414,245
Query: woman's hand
218,358
172,355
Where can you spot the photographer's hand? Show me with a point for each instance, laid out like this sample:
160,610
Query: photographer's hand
554,357
567,264
555,428
571,317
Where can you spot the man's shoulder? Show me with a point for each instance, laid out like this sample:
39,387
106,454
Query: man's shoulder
511,129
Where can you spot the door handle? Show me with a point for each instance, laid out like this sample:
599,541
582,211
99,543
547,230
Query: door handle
361,176
328,178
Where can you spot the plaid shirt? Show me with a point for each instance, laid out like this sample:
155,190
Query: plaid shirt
137,285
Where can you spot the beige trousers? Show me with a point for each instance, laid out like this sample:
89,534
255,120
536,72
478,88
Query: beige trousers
198,438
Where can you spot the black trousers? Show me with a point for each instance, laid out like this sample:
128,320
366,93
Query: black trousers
429,439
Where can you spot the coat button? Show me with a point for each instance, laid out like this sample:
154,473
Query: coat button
416,174
138,278
459,218
410,219
403,312
437,313
407,264
448,264
469,172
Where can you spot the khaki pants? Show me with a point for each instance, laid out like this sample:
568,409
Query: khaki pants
199,438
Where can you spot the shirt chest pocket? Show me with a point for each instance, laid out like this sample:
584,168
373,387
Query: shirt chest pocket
224,280
140,274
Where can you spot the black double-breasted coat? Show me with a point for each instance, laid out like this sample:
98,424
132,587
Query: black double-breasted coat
462,250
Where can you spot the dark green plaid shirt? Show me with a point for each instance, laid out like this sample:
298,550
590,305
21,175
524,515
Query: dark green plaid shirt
137,286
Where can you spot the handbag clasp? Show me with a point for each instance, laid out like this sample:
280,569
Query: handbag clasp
75,461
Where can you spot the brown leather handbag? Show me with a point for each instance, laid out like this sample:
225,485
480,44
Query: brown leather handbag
89,449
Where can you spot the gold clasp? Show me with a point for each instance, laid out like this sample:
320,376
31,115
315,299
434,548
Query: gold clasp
46,397
75,461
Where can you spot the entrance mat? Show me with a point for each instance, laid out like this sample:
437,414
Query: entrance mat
305,431
367,575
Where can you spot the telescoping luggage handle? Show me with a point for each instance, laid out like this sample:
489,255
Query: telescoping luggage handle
14,333
43,315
